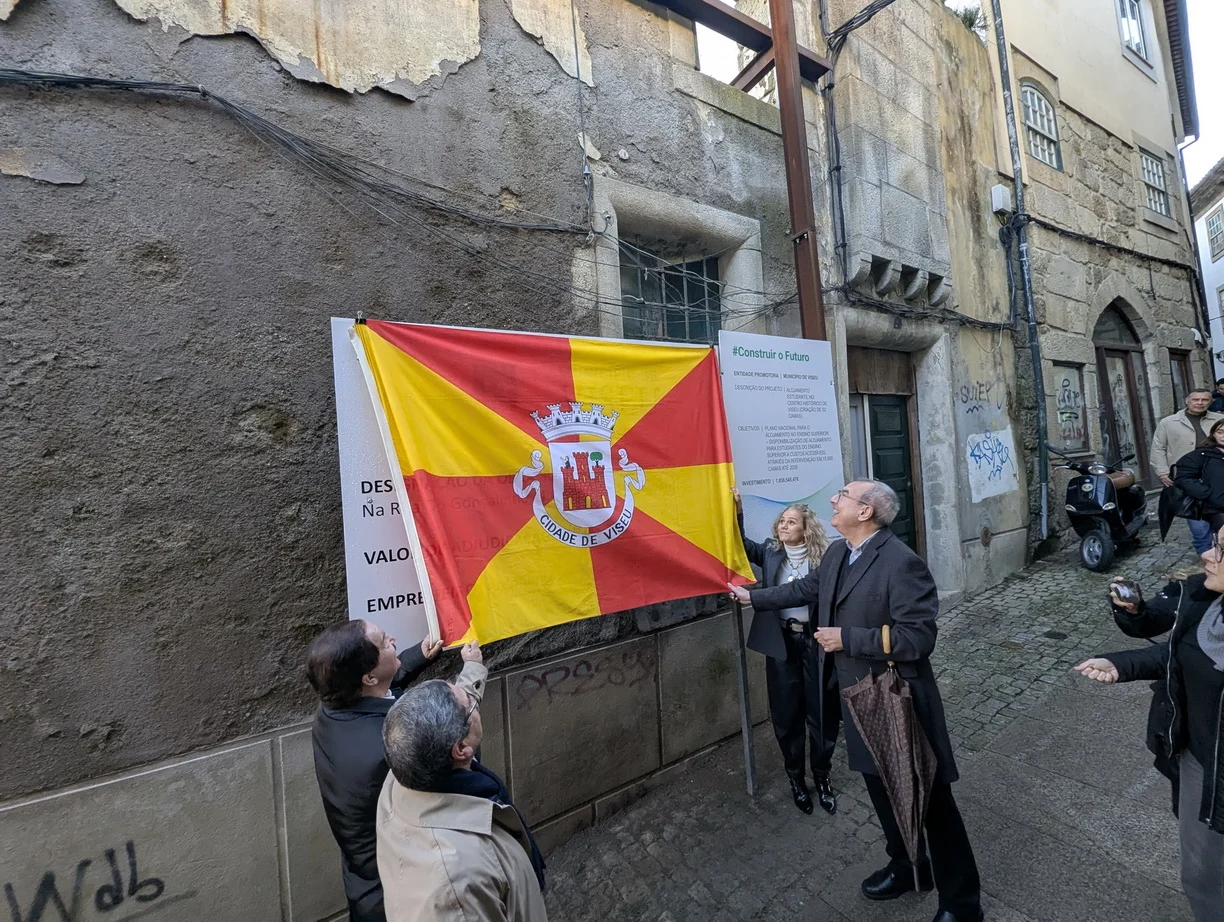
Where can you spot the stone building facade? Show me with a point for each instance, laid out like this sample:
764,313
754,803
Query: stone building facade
1207,208
168,427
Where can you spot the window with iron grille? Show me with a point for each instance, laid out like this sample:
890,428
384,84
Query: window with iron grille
662,298
1215,232
1154,183
1041,126
1130,12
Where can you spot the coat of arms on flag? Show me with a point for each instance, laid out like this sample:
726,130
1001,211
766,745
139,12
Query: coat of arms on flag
551,478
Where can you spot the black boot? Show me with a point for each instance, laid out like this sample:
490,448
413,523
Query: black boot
824,793
803,799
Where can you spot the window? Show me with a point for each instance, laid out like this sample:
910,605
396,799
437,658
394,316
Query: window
1215,232
1179,373
678,299
1130,13
1041,126
1154,183
1069,403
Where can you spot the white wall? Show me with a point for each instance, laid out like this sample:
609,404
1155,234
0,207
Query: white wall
1213,281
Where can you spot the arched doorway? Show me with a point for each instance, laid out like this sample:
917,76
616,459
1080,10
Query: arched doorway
1125,406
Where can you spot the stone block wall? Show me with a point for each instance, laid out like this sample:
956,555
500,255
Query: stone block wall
238,832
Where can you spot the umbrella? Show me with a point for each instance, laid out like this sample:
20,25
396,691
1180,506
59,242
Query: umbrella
1174,503
883,711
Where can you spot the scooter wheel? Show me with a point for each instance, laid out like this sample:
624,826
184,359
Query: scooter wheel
1097,551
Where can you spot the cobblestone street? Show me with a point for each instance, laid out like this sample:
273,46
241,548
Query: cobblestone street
1068,819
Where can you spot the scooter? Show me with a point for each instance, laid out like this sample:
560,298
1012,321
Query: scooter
1106,507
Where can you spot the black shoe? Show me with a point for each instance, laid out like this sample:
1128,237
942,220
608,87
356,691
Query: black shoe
889,882
944,916
803,800
824,793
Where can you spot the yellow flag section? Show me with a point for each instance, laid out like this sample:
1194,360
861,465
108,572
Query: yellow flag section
549,478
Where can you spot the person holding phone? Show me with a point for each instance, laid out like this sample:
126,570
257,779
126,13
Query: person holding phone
1187,735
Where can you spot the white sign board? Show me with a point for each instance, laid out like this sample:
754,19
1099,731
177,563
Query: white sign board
782,414
382,580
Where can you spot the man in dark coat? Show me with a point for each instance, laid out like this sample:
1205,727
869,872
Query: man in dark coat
869,580
357,674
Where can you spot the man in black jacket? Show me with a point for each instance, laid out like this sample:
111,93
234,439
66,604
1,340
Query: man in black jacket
869,580
354,668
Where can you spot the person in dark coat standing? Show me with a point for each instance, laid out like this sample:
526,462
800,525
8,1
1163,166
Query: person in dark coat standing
869,580
355,670
798,707
1187,736
1200,474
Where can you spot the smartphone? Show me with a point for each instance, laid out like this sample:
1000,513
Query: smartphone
1125,590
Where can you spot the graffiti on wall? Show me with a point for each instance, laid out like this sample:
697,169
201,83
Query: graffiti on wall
991,458
122,895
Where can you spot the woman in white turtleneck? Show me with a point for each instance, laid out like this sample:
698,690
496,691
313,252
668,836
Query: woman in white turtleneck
799,708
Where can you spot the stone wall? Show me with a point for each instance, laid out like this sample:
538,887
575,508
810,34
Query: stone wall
238,832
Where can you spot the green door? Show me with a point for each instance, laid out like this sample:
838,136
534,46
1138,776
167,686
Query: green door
890,459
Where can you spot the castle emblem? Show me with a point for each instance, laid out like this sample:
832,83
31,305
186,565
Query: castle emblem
583,486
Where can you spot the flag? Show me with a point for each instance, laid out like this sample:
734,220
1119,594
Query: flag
552,478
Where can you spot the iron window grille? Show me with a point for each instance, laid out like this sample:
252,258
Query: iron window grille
1042,126
1130,12
1154,183
670,299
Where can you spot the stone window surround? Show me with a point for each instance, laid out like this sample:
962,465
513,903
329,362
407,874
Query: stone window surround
1050,99
1158,152
736,238
1143,64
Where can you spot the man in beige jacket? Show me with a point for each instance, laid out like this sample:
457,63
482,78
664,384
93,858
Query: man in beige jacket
1178,435
451,845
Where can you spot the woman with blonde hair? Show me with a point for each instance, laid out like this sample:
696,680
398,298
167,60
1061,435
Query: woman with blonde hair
798,706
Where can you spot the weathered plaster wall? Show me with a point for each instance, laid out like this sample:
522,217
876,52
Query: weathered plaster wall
983,387
166,417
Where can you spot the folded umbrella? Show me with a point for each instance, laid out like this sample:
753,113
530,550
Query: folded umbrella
882,709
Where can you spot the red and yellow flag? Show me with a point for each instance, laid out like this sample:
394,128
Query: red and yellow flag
553,478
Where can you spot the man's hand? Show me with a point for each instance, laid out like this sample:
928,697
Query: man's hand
829,638
1166,480
471,653
739,500
431,648
739,594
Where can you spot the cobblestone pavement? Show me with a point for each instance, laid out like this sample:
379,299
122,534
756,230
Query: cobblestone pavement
1067,817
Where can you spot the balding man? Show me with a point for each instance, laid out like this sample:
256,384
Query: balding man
451,845
866,582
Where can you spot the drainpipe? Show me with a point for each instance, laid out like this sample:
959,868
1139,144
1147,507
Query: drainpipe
1026,275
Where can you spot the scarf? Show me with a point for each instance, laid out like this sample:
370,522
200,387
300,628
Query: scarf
480,782
1211,632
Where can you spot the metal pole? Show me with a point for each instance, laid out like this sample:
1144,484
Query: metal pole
741,666
1026,275
798,172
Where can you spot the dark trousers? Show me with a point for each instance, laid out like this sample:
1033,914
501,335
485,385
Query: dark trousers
951,855
796,705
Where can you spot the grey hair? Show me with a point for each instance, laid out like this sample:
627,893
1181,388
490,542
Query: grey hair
883,502
419,732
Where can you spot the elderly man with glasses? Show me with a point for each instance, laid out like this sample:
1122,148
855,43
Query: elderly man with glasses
866,582
451,845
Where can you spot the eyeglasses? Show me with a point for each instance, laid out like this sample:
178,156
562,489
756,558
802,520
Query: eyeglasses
843,493
467,718
1217,552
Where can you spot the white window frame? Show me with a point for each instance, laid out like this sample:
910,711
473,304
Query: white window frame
1155,182
1134,29
1041,126
1215,239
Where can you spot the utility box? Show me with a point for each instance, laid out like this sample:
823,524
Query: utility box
1000,199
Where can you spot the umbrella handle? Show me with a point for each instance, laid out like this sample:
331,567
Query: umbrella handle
886,640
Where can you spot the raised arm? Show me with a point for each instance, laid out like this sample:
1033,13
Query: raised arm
803,591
